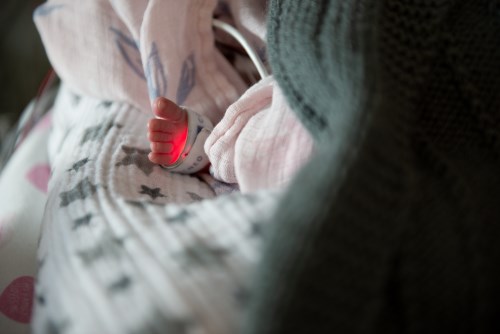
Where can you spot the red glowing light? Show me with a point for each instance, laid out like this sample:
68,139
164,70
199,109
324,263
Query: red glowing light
178,143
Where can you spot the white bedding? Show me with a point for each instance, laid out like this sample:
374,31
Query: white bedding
127,247
23,193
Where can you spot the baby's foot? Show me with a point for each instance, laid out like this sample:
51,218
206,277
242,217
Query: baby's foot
167,132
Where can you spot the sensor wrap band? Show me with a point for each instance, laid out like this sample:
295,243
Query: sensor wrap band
193,157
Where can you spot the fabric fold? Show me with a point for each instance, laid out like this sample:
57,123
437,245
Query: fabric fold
135,51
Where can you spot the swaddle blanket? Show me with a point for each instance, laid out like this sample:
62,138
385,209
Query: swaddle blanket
129,248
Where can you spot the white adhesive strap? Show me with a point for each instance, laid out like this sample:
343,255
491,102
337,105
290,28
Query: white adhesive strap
193,158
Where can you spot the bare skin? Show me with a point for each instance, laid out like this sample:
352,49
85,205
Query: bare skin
167,132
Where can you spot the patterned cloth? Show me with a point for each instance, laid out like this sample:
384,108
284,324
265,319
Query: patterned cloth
129,248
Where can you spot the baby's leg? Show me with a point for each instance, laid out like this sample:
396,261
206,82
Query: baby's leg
167,132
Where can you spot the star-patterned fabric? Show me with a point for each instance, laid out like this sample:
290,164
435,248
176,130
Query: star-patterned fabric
130,248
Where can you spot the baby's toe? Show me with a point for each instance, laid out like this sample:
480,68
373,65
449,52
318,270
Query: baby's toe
162,148
161,125
162,137
166,109
161,159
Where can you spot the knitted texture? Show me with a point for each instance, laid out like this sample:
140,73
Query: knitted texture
393,226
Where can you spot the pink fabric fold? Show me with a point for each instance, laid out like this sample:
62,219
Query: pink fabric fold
259,144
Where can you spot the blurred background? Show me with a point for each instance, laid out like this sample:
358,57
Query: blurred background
23,64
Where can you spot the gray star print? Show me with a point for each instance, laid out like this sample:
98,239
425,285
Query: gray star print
98,132
54,327
194,197
75,99
201,255
121,284
169,324
108,246
179,218
82,190
105,104
79,164
83,221
152,192
143,204
138,157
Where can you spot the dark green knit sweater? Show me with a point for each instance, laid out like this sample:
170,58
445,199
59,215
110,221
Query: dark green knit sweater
394,226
